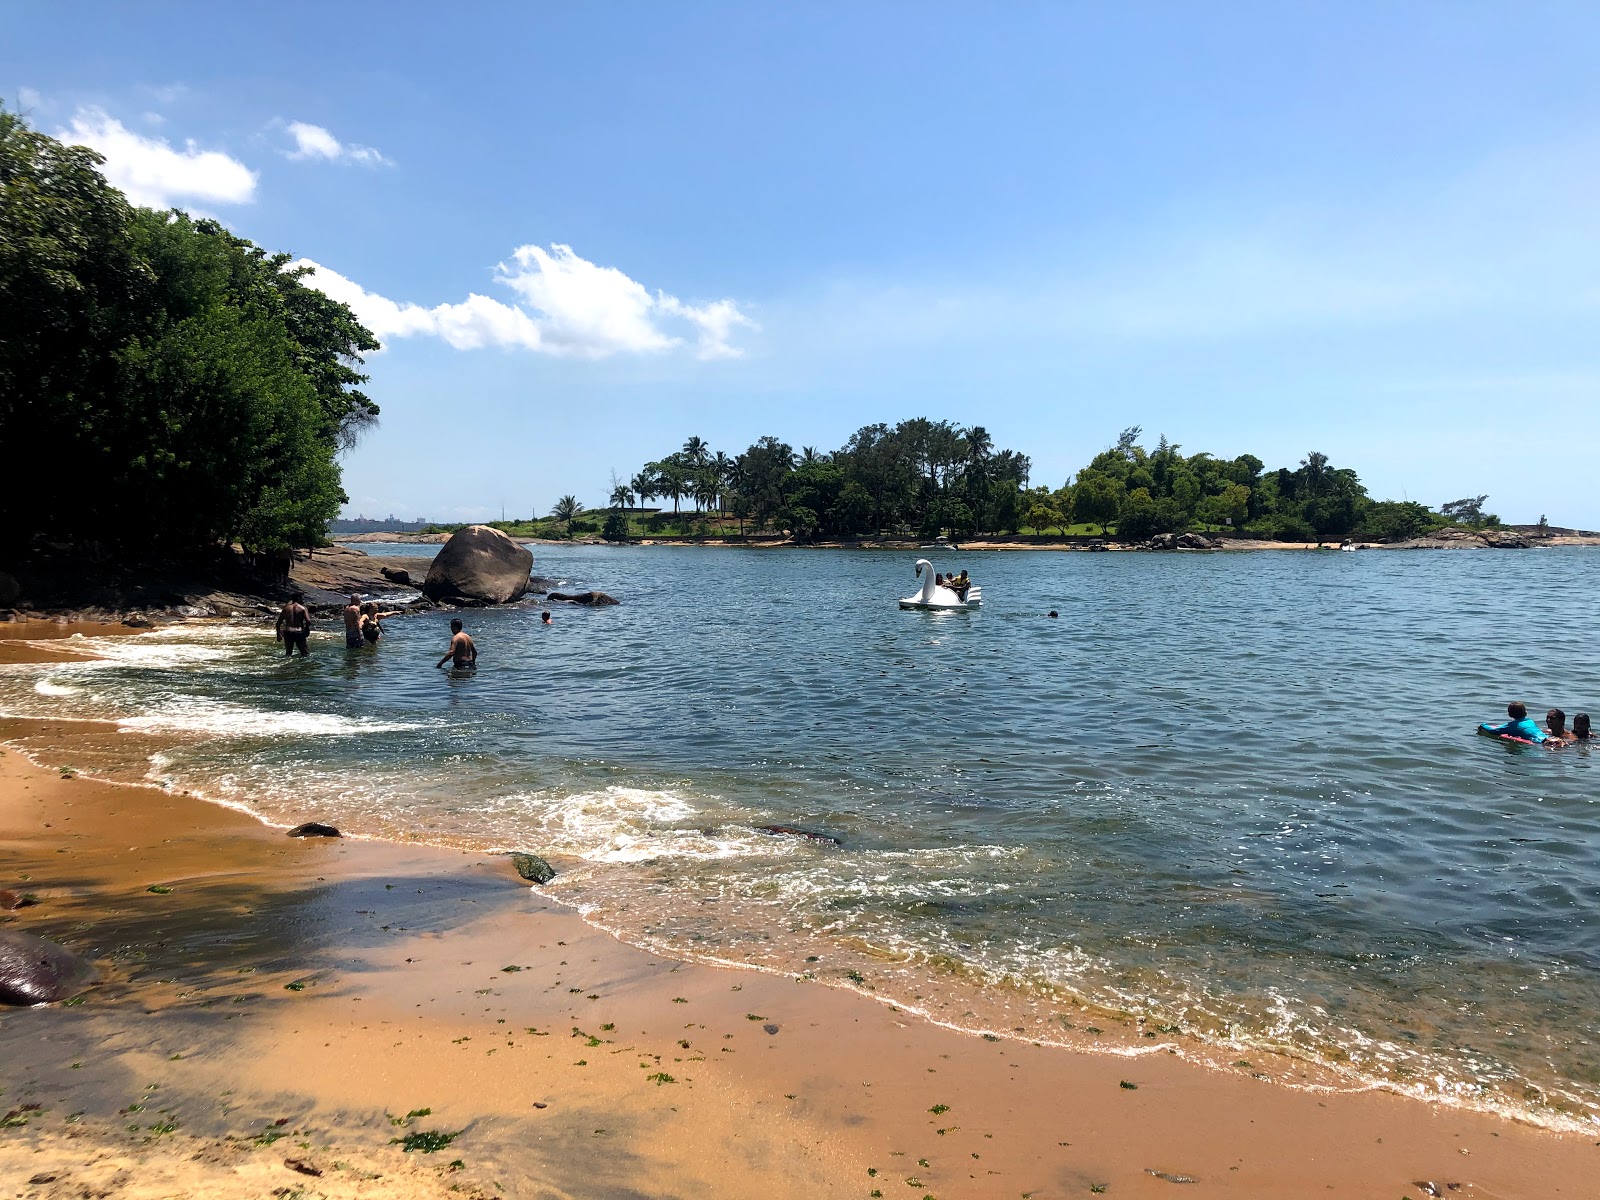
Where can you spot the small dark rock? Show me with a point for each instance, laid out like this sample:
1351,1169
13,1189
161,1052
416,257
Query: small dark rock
792,831
137,621
36,971
396,575
314,829
533,868
770,1028
40,1179
14,900
299,1164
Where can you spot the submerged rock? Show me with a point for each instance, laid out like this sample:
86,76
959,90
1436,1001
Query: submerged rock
595,598
533,868
826,839
36,971
479,563
314,829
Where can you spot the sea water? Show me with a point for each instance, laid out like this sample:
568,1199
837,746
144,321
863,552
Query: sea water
1230,805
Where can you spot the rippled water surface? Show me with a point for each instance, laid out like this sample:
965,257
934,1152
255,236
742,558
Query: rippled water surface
1230,804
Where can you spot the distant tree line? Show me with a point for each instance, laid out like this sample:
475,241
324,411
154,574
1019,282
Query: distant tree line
922,475
174,386
931,477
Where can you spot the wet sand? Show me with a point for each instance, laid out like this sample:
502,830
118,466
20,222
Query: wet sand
279,1007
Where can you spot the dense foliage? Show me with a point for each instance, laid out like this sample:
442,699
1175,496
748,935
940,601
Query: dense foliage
176,385
923,475
931,477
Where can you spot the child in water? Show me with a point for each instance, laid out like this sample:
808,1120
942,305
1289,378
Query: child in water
1518,726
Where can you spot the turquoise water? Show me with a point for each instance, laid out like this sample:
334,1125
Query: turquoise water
1226,804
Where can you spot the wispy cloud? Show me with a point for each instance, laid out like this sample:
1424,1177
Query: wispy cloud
314,143
569,306
153,172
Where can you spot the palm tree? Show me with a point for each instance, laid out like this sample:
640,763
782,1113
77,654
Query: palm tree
644,486
670,478
809,456
566,511
621,497
696,451
723,467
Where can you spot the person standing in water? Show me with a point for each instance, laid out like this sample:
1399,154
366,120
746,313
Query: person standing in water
461,649
352,624
372,622
294,626
544,617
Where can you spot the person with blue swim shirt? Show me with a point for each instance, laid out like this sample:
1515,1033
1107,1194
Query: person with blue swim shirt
1518,726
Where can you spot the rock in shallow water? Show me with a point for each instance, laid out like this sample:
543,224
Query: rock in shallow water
533,868
36,971
479,563
314,829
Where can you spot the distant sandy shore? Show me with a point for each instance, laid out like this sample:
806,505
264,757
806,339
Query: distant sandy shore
280,1016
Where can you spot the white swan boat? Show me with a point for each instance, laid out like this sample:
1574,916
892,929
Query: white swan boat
937,597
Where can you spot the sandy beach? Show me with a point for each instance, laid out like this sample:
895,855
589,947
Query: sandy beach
276,1016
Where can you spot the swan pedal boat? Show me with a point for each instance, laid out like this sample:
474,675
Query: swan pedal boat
937,597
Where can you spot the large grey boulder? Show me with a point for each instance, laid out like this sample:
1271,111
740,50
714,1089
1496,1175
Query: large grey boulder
35,971
479,563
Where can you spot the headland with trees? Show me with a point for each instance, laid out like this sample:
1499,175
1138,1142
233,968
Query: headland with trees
924,478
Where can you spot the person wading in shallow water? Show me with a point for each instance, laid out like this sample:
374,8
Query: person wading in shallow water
372,622
352,624
461,649
294,626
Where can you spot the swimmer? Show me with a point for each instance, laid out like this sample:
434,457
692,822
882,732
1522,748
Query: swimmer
1580,729
461,649
1052,614
1555,723
1518,726
544,617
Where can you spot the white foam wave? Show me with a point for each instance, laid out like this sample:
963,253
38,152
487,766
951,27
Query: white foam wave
238,720
46,687
630,825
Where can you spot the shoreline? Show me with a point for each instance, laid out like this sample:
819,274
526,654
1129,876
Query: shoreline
1054,545
1016,1101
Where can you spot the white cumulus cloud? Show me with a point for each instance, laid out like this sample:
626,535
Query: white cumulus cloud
568,306
154,173
315,142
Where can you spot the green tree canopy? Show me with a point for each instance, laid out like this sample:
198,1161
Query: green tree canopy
193,387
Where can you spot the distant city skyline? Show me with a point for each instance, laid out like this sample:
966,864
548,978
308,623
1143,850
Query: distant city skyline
586,233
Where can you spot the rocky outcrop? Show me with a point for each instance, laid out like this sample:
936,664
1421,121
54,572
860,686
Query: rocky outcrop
1180,541
1497,539
396,576
594,598
36,971
479,563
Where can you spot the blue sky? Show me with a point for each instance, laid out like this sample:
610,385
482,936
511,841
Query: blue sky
585,232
